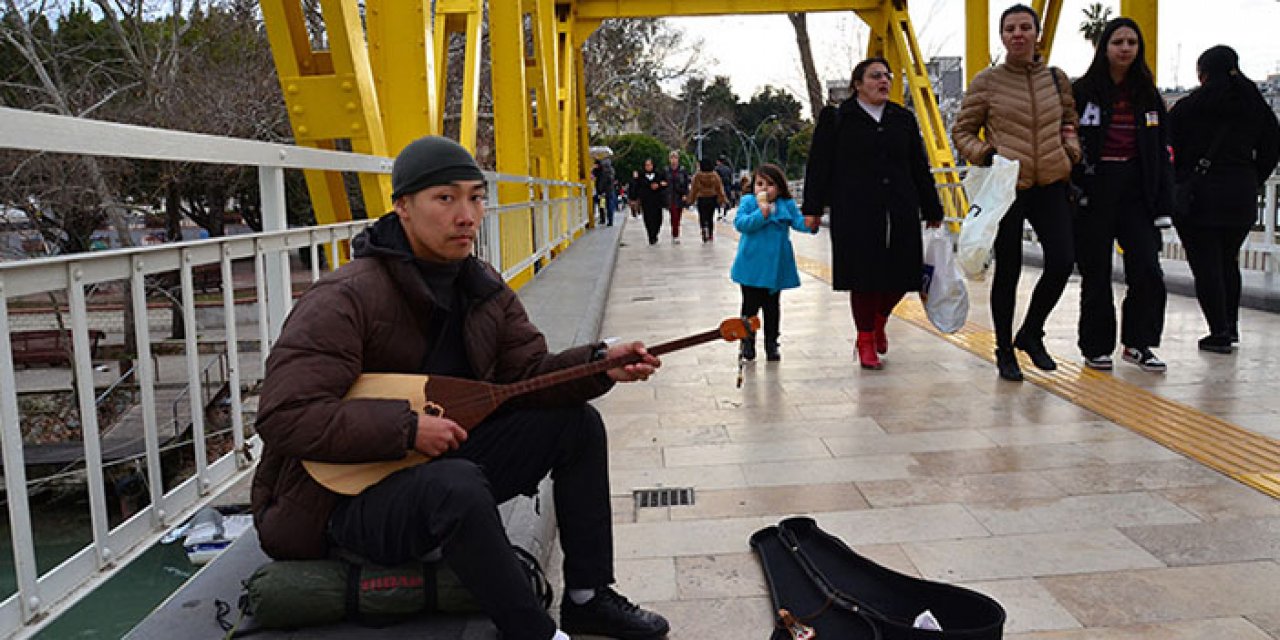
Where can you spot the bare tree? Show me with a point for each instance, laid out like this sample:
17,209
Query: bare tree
813,84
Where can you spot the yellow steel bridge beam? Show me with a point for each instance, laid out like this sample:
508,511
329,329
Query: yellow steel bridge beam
330,97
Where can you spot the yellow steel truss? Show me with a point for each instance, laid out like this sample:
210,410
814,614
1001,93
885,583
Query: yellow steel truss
380,86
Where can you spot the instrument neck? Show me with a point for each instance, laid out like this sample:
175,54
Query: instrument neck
600,366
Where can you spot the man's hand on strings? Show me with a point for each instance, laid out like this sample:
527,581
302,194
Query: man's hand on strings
438,436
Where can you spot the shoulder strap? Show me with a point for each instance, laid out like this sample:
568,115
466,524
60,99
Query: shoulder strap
1206,160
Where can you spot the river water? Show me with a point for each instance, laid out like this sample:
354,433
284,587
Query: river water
119,604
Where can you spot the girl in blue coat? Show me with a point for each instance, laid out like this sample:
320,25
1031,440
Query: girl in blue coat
765,264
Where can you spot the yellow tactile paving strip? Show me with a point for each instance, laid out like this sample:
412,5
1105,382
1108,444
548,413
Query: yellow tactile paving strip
1245,456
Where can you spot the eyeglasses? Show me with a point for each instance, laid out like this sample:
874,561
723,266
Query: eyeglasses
876,75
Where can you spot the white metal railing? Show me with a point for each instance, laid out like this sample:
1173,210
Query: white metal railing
1258,253
41,597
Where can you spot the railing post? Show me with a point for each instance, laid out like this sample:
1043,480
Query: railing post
83,365
1269,211
15,475
146,382
195,395
233,356
279,291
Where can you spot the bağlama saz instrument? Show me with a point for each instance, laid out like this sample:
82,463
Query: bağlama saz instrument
469,402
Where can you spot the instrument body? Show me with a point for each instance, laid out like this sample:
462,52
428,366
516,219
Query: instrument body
469,402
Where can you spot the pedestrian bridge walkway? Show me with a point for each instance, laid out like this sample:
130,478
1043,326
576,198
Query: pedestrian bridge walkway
1080,527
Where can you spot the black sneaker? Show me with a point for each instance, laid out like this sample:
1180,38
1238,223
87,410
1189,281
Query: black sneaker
611,614
1215,344
1099,363
1143,357
749,348
1034,348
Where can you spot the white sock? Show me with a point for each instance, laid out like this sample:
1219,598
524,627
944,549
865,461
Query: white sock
560,635
580,596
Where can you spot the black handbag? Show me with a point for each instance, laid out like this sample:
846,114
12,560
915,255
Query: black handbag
820,588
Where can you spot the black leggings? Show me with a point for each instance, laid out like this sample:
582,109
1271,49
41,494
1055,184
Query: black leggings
707,216
1213,254
755,299
652,218
452,501
1046,209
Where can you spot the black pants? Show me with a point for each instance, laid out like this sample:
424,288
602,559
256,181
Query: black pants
707,217
1213,254
652,218
1117,212
755,299
1046,209
453,502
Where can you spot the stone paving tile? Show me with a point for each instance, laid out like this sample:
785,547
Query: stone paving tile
755,432
1211,542
845,446
718,618
746,452
1027,604
724,476
1023,458
1180,593
1029,555
961,489
1268,621
762,501
645,433
1078,512
730,575
1138,476
635,458
1206,629
1224,501
901,524
1057,433
684,537
879,467
646,579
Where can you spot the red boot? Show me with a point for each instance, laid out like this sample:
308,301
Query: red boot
867,351
882,339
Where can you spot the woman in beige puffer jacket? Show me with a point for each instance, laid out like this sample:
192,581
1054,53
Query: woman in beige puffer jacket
1025,111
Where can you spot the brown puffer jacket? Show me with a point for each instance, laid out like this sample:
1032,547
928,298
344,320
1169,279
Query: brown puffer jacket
706,184
1021,112
371,316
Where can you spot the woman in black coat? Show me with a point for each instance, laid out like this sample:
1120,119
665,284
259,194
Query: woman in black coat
868,164
1127,179
1226,142
651,192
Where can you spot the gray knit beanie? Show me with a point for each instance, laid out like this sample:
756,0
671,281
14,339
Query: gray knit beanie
431,161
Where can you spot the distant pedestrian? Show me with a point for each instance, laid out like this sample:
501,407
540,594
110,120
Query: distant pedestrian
677,189
1226,142
868,164
1127,185
726,179
603,173
766,263
650,192
633,194
707,193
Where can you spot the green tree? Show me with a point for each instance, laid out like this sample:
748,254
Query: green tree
630,150
1095,20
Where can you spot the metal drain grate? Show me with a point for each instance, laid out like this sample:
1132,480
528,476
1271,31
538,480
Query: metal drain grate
663,497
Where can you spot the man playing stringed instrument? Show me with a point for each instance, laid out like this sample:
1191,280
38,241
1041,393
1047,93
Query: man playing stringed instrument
415,300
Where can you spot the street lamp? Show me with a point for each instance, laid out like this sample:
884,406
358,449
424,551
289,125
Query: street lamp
755,134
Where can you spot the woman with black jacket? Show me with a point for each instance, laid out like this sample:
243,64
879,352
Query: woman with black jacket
651,191
1127,179
868,163
1226,142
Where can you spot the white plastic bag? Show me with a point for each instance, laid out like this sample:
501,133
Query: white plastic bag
945,298
991,191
